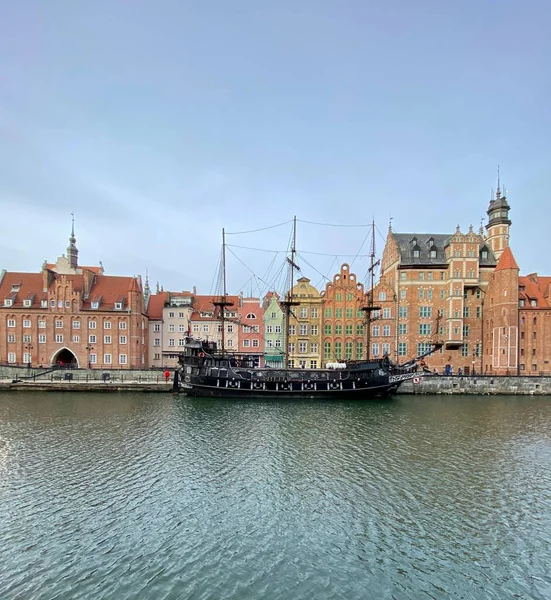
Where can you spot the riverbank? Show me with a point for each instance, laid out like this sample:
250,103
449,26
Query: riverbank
480,386
83,386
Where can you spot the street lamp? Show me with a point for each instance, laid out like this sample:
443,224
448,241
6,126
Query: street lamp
89,348
28,348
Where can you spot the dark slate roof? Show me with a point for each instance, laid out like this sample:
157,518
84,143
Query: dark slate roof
439,241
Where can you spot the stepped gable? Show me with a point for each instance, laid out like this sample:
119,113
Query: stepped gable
506,260
425,242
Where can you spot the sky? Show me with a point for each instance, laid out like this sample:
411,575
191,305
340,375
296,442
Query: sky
160,123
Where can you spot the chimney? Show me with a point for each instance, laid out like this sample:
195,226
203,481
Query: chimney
47,278
88,277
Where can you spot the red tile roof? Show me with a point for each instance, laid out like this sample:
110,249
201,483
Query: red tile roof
30,287
533,287
506,260
156,305
97,270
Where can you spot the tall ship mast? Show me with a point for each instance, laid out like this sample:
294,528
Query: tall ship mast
289,300
222,301
369,308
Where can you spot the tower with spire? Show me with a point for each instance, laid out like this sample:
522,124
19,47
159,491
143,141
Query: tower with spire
498,221
146,290
72,251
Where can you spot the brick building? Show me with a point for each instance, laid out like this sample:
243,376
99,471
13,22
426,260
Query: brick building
72,315
250,323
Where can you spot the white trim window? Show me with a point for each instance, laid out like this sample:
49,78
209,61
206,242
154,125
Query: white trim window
11,357
122,359
11,338
27,303
59,324
27,357
122,339
91,339
107,359
41,324
76,339
91,325
59,338
76,324
246,343
42,338
93,359
11,322
8,302
107,324
106,339
122,324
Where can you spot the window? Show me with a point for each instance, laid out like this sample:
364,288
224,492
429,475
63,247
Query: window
52,303
292,330
156,327
41,338
230,328
196,328
107,324
416,254
171,342
338,313
327,350
327,329
107,359
338,329
181,342
465,331
387,313
303,347
278,344
425,312
424,328
386,330
76,324
402,329
348,351
26,339
44,304
402,349
348,330
91,339
274,315
359,350
359,329
181,328
91,324
157,342
386,348
118,306
172,328
256,343
421,294
338,350
423,347
375,331
59,338
421,276
403,312
303,313
533,302
429,293
314,347
122,339
181,315
171,315
277,329
246,343
484,254
465,350
205,328
429,275
303,329
11,338
375,350
106,339
349,313
327,313
314,313
466,312
269,329
403,276
95,304
156,356
11,357
122,359
291,348
76,339
313,330
41,324
313,364
59,324
403,294
382,296
338,297
8,302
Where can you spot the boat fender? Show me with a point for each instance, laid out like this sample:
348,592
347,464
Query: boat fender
201,355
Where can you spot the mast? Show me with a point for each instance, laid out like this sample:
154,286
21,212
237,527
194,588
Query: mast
370,308
289,302
223,301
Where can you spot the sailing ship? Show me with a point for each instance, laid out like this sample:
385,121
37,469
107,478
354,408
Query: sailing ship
207,370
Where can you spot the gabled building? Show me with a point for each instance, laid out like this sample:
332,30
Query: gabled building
274,338
72,315
206,322
251,334
305,326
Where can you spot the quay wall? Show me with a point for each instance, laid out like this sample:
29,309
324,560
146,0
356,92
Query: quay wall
479,385
10,373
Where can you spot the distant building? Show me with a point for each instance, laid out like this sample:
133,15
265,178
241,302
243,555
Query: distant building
305,326
251,334
72,316
206,321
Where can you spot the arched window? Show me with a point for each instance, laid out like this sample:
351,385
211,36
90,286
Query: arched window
251,316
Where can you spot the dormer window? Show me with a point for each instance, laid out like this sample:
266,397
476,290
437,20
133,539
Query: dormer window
44,304
533,302
118,305
95,304
15,288
27,303
8,302
484,254
52,303
521,302
416,251
433,251
251,316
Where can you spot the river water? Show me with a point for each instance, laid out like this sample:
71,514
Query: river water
154,496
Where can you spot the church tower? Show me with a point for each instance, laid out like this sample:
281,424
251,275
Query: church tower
72,252
498,222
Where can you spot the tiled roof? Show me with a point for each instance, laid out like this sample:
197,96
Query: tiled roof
156,305
435,241
96,270
205,303
533,287
506,260
106,289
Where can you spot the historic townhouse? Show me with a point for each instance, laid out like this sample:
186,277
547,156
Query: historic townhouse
305,326
250,323
206,322
73,316
273,322
343,320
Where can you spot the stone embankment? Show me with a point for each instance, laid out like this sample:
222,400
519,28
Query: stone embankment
479,386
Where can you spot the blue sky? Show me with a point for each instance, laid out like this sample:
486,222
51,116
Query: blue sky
161,122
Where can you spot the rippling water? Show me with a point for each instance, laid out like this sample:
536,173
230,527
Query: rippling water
152,496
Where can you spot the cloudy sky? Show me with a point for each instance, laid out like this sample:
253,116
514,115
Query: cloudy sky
159,123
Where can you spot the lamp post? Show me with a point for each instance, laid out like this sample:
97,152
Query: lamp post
89,348
28,348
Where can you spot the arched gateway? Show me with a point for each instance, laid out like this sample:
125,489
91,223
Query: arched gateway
65,358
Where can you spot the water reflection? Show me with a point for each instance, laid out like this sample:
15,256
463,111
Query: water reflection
129,496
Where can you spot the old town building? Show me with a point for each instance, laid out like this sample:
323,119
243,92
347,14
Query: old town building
343,319
72,315
273,322
250,323
305,326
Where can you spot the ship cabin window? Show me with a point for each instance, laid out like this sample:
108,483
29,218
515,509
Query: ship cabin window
214,372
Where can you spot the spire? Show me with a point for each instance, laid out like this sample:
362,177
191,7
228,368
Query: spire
498,191
506,260
390,225
72,252
146,289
